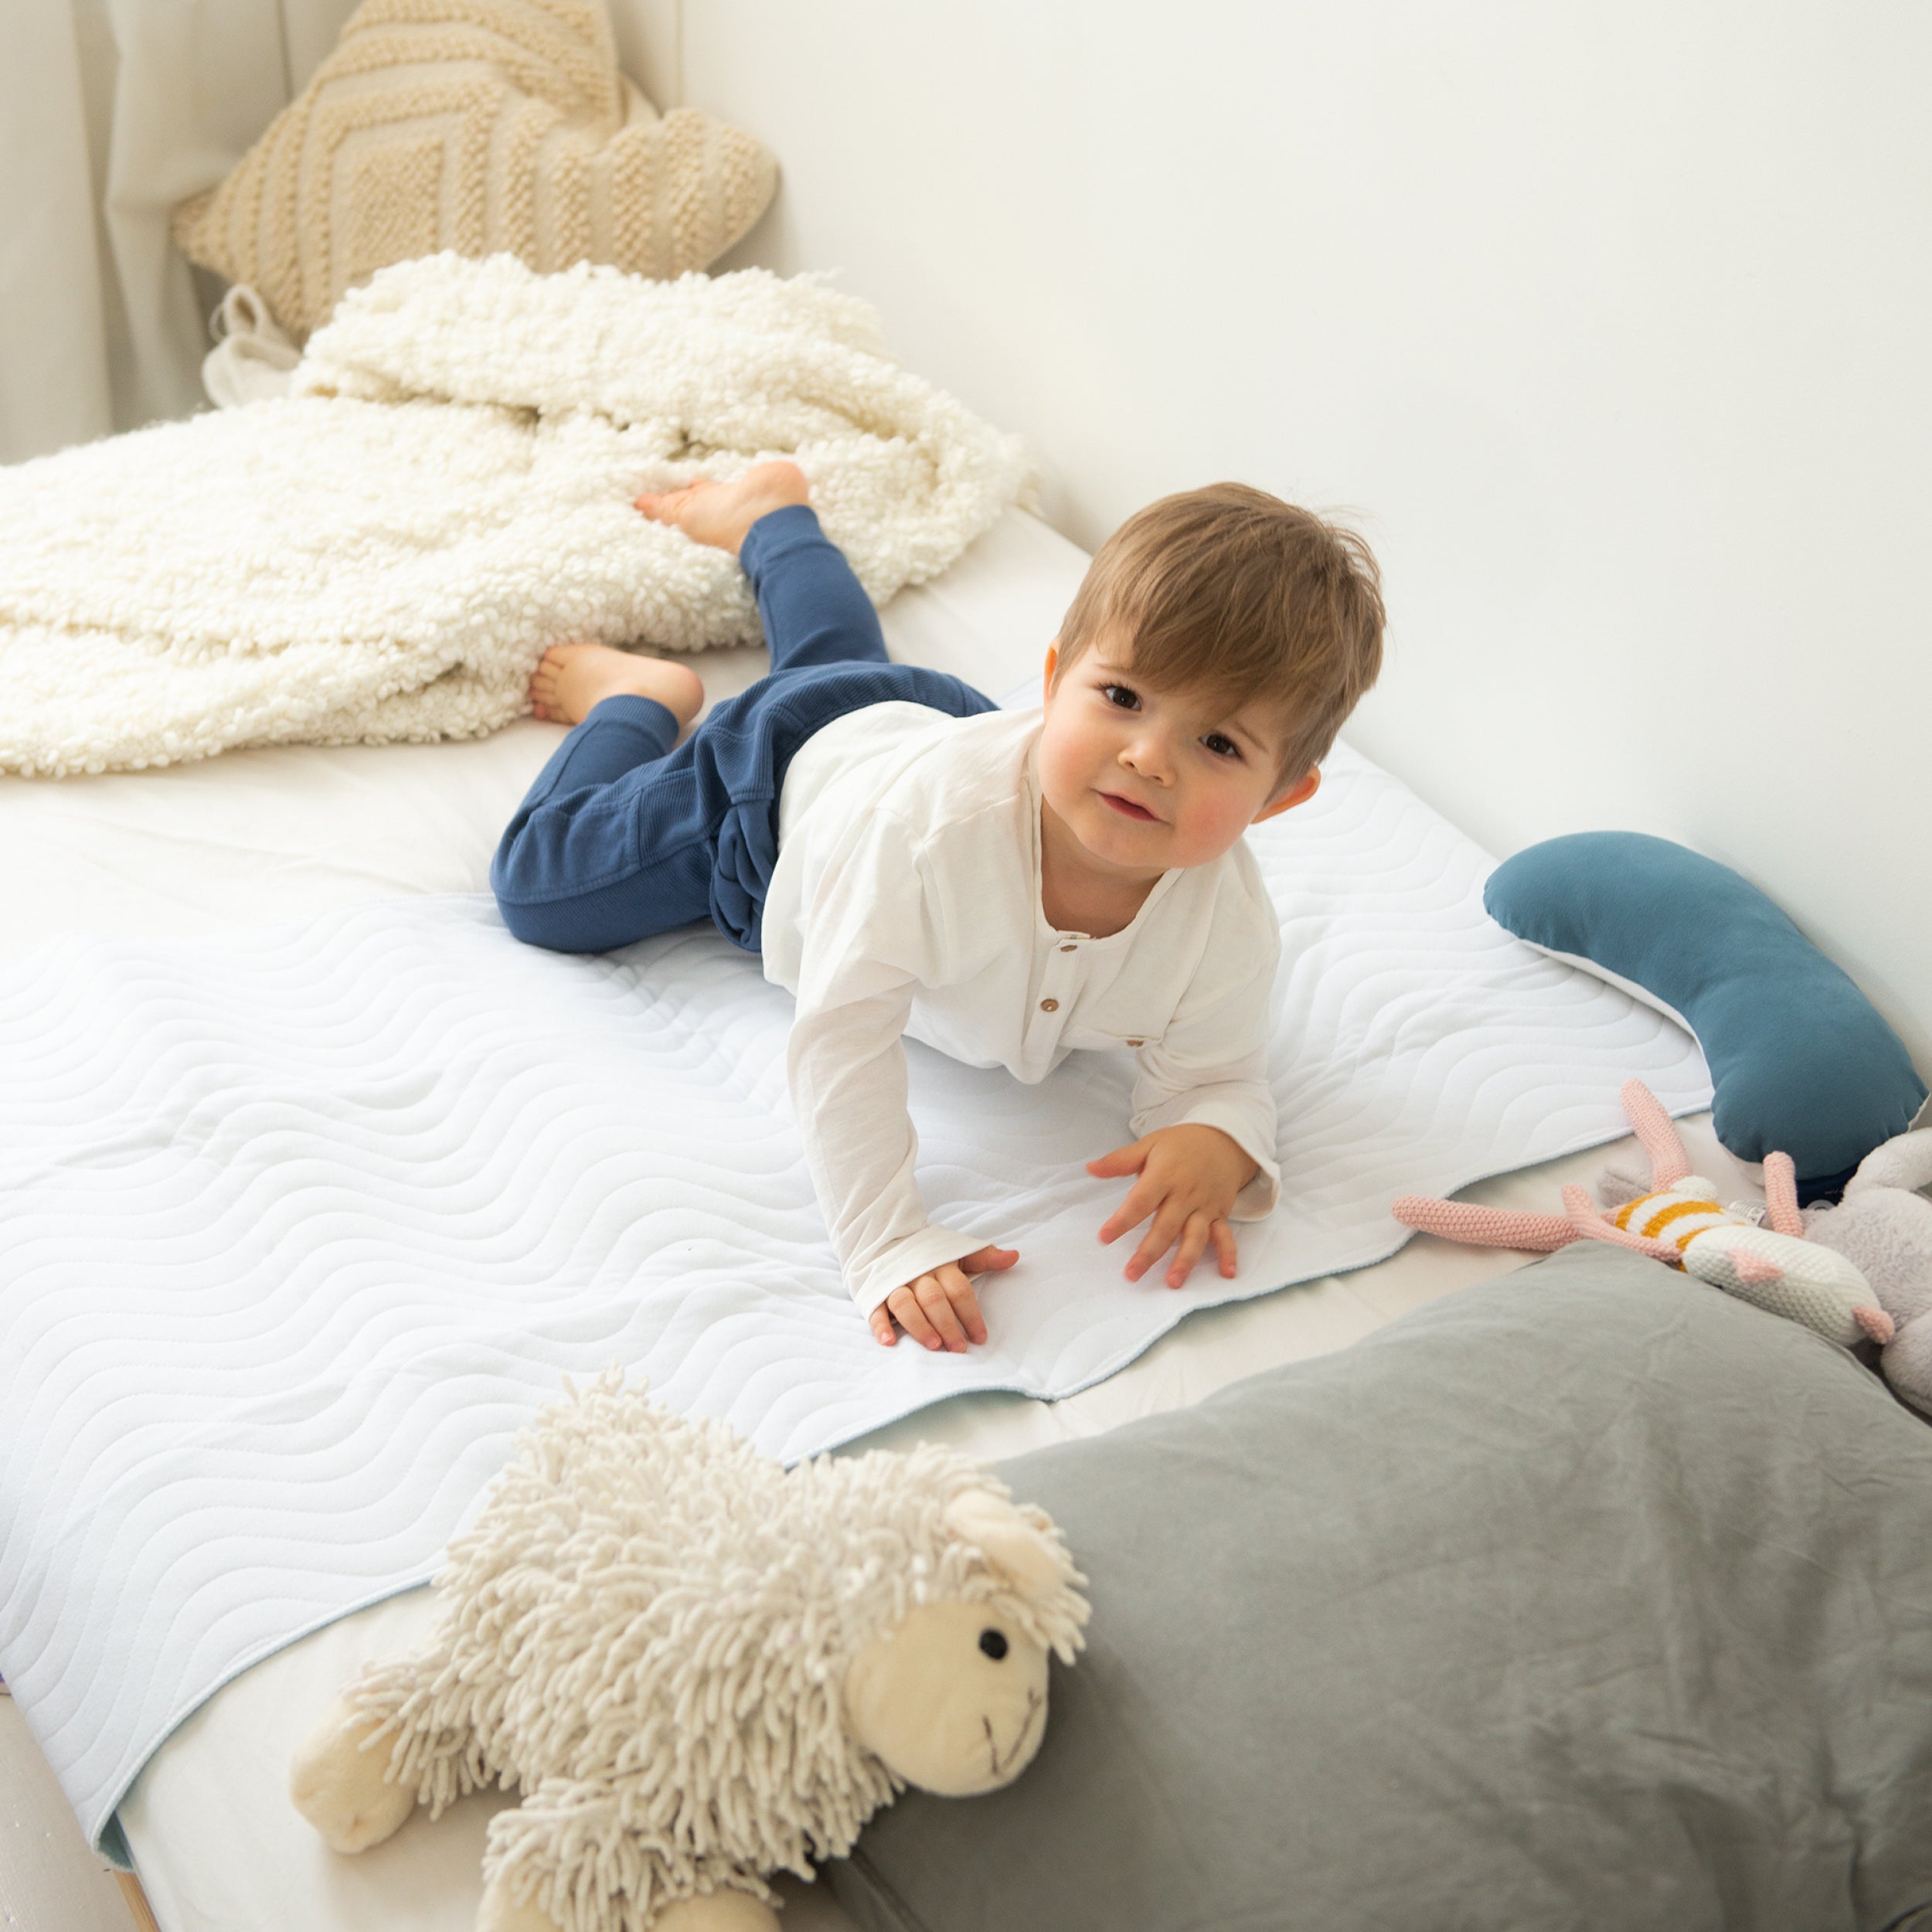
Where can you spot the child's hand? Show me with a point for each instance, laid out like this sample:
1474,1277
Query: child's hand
1189,1176
938,1309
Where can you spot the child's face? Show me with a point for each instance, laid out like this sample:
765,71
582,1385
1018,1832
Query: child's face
1148,779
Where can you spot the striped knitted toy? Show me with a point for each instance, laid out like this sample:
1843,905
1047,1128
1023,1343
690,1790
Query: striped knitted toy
1681,1222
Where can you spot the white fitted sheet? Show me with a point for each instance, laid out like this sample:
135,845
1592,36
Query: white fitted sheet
257,837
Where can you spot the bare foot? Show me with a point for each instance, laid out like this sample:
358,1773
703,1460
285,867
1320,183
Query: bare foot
571,678
720,513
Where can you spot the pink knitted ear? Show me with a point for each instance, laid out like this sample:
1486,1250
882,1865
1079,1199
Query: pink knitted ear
1485,1227
1753,1266
1781,1196
1875,1323
1588,1220
1669,1162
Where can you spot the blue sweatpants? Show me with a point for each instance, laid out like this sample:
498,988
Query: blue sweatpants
622,836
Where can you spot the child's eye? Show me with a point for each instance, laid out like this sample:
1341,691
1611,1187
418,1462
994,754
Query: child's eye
1222,746
1119,694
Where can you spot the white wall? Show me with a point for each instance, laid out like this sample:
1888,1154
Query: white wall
1611,324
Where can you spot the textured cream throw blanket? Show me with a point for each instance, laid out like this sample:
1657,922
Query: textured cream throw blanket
385,554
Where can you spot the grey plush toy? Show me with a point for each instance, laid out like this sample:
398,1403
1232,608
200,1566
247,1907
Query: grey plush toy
1884,1227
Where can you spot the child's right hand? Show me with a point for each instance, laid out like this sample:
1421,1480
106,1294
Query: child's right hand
938,1309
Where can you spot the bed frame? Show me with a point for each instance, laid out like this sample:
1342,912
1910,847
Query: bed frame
142,1912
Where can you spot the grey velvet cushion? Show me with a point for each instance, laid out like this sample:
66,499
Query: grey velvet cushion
1589,1598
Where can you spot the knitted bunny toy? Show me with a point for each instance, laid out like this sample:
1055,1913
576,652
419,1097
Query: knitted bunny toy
701,1667
1679,1221
1884,1228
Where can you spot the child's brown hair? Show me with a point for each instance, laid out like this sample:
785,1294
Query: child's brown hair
1231,592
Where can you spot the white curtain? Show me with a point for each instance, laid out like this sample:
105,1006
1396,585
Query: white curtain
111,112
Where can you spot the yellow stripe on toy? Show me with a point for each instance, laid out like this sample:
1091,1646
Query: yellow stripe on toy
1649,1215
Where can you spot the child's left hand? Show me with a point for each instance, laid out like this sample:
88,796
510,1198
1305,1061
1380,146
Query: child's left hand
1189,1175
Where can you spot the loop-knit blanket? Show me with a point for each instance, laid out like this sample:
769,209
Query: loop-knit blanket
447,490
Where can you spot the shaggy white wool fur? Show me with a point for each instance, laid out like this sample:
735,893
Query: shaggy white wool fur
385,554
648,1628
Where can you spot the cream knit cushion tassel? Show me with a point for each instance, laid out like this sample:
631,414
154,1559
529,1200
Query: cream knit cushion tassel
385,554
479,126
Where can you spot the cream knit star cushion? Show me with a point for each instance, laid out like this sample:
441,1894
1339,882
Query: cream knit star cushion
483,126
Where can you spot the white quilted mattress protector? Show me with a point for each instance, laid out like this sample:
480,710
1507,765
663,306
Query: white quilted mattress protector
301,1225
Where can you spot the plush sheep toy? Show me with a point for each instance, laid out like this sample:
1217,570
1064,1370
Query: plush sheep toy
701,1668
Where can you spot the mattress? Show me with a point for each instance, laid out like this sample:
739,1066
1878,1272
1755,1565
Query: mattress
257,836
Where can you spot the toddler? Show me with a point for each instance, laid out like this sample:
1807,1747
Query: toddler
1006,886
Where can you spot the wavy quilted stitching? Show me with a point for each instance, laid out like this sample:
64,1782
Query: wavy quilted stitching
296,1230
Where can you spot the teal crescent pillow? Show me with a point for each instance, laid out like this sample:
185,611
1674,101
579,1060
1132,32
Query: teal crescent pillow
1801,1062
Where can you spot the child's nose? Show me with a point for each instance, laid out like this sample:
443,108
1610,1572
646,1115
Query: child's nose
1149,754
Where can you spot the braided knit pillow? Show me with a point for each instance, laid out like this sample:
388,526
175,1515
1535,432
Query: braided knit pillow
483,126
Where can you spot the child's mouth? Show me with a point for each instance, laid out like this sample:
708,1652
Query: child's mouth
1126,807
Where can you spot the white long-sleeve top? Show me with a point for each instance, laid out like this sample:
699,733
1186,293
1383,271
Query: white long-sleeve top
905,898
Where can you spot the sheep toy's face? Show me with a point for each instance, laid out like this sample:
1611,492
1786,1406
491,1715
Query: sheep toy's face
953,1700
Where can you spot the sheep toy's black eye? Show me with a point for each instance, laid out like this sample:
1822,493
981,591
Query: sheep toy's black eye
994,1643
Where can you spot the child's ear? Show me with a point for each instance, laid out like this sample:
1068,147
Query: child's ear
1052,663
1298,794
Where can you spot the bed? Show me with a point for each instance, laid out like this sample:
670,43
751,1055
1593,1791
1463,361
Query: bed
259,837
1626,481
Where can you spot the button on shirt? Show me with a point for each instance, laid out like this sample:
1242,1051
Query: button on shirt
905,898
